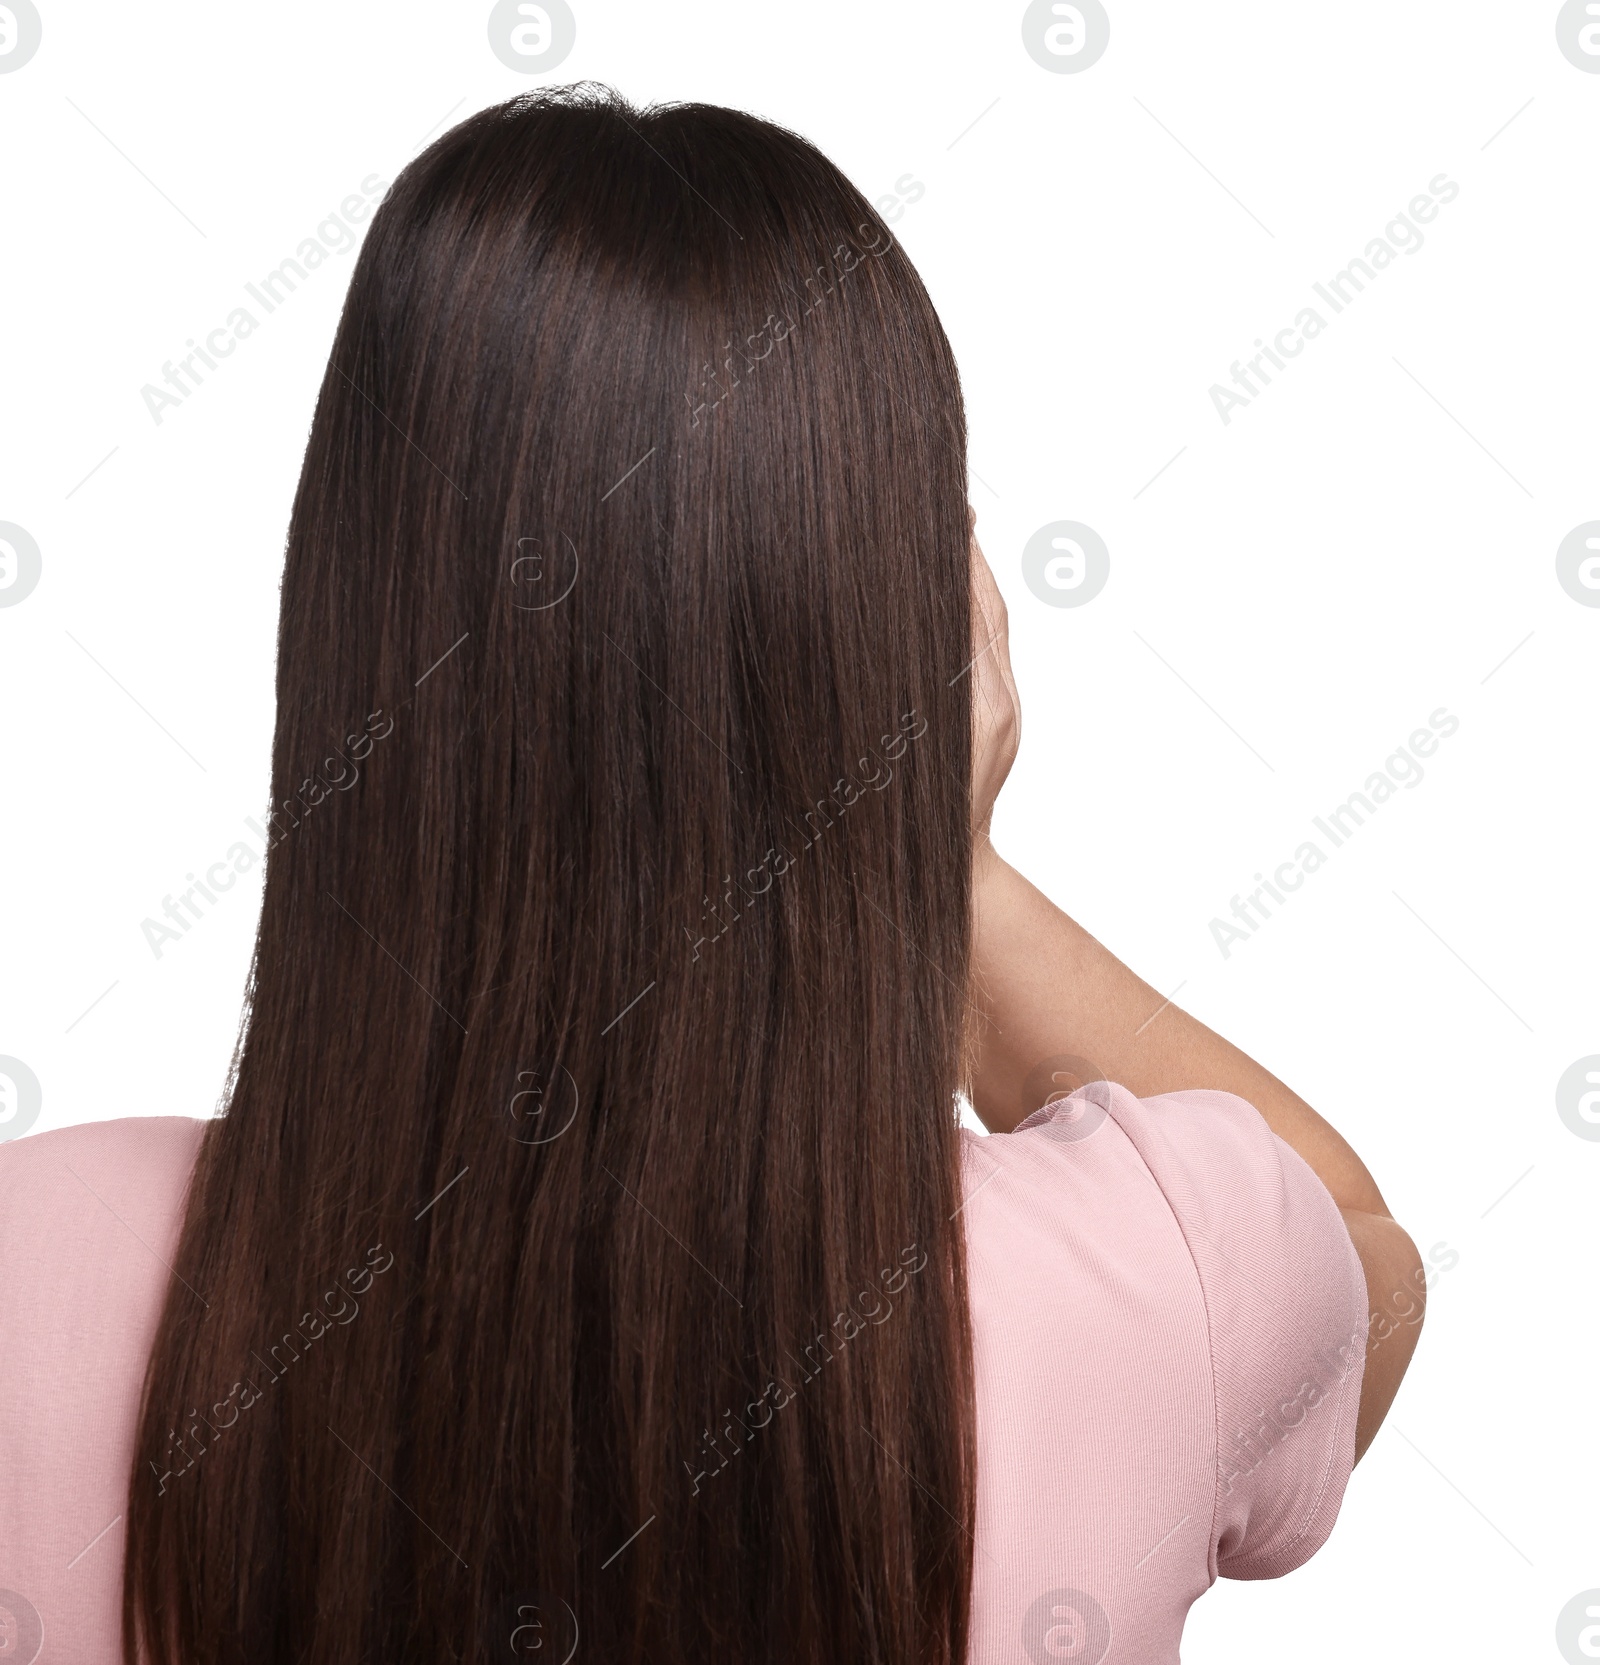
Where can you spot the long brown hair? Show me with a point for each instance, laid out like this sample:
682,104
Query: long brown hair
575,1265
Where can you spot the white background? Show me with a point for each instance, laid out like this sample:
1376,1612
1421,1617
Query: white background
1366,542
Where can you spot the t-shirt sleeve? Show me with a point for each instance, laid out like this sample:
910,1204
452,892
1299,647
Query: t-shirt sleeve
1286,1307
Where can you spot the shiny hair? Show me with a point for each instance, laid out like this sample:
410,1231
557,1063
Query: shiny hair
574,1262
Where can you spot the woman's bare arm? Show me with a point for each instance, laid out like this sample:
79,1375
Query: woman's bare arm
1042,987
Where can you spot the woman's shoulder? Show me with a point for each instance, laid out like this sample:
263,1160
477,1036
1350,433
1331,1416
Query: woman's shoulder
139,1157
89,1221
1202,1161
1164,1280
136,1137
83,1201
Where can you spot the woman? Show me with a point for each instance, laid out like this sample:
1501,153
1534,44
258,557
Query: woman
588,1259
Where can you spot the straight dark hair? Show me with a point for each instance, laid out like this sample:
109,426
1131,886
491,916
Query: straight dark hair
575,1264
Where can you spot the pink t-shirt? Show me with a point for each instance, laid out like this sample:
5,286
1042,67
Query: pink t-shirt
1168,1317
